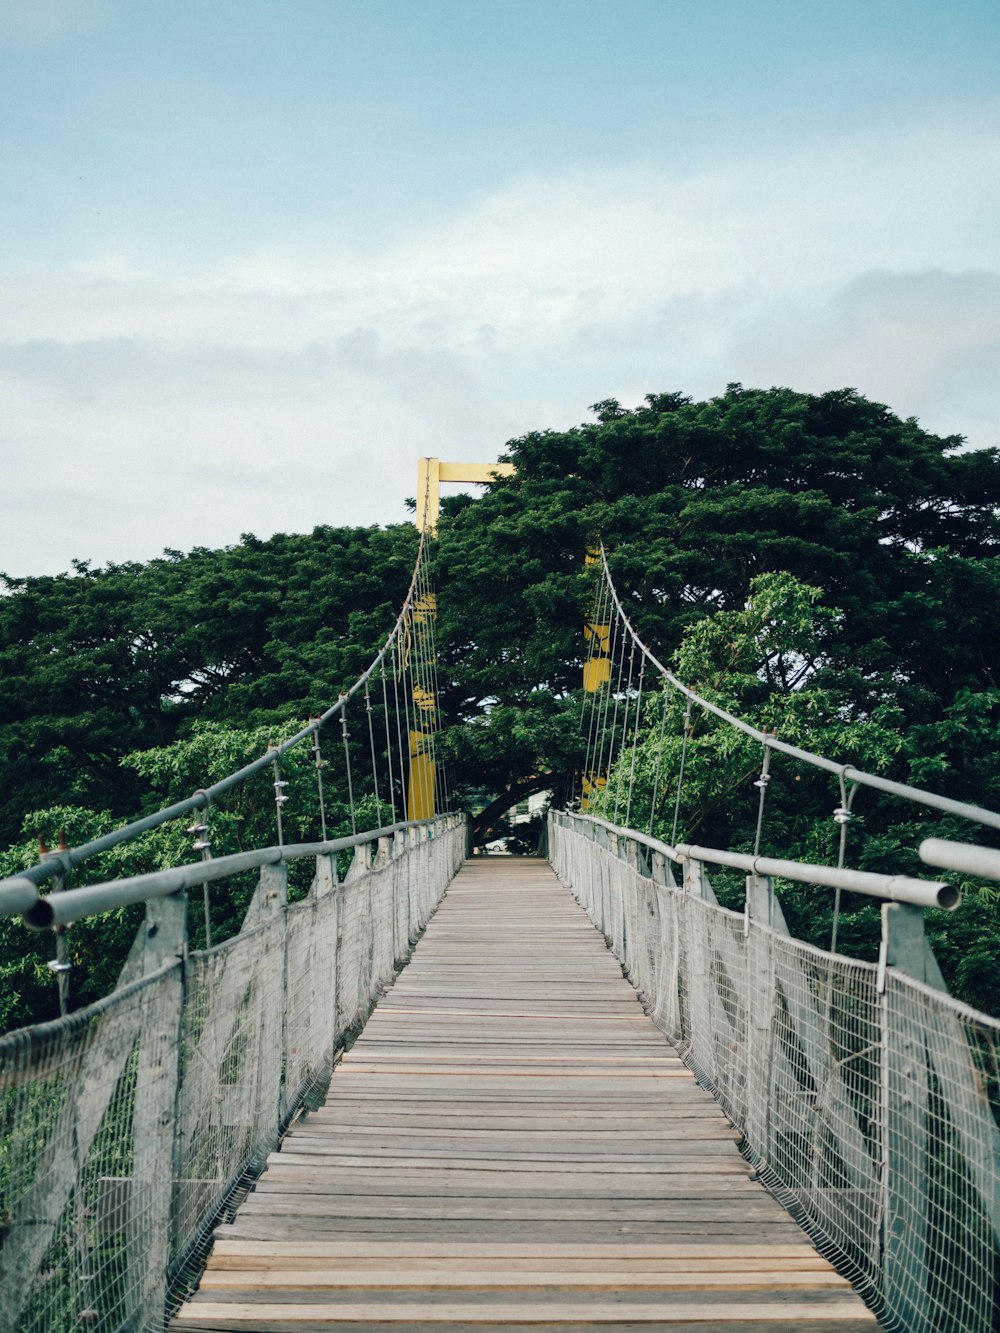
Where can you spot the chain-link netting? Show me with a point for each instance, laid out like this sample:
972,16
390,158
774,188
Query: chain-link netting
128,1128
80,1101
870,1109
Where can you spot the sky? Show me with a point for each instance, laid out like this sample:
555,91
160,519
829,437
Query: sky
259,256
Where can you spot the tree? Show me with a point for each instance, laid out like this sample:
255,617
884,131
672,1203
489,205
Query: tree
898,528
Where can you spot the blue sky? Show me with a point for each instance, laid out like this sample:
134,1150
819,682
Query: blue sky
258,257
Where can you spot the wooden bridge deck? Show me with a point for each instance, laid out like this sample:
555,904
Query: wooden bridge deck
511,1142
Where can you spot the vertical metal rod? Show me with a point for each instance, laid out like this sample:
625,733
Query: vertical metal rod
347,764
842,816
680,771
397,669
635,742
279,792
371,738
388,741
318,762
596,696
606,764
761,785
621,748
659,759
203,845
59,966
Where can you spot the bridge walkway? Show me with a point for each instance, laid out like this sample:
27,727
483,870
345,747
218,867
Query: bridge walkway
511,1142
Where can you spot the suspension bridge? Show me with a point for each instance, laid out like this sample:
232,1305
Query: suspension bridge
422,1090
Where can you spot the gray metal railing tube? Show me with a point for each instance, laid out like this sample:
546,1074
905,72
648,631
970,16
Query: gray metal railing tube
963,857
74,904
893,888
17,895
654,844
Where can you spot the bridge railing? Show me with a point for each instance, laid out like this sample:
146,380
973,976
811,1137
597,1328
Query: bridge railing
128,1128
866,1097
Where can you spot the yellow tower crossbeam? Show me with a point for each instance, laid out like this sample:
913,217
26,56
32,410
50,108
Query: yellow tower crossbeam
431,472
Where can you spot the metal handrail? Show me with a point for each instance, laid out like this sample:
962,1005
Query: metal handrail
962,857
892,888
59,909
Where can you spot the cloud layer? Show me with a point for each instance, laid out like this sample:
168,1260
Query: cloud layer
150,406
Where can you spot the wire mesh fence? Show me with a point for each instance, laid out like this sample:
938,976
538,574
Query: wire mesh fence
868,1101
127,1128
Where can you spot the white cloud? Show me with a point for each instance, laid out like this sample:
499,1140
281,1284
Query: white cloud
300,384
927,343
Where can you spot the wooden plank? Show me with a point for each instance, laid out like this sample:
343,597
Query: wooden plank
590,1313
759,1279
546,1252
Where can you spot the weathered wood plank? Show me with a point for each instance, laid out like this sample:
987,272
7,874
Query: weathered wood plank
262,1316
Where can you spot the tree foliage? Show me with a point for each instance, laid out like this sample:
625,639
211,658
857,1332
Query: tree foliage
101,663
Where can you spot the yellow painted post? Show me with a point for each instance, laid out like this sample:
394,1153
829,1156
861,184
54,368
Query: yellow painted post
423,769
596,674
428,493
431,472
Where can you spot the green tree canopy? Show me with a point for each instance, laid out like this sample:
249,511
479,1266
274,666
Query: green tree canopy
100,663
694,500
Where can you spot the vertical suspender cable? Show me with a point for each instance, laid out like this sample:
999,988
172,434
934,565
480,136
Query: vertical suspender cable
659,759
347,765
371,739
279,793
680,772
635,743
318,762
614,720
621,748
761,785
397,670
595,644
388,743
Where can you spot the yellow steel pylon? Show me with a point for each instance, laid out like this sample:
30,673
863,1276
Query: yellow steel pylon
431,472
596,674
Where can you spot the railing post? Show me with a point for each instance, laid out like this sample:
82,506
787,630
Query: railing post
668,953
273,893
324,998
699,1010
154,1168
905,1093
695,879
761,1001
